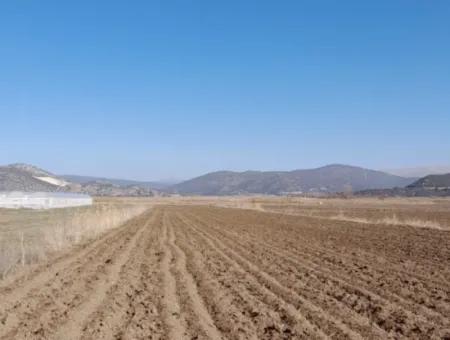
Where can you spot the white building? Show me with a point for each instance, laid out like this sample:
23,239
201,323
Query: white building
42,200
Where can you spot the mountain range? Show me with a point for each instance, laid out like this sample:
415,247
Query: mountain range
328,179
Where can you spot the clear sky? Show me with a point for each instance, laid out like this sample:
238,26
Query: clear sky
174,89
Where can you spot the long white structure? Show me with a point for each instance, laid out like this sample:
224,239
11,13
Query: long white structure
42,200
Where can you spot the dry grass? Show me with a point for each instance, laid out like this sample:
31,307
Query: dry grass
389,220
28,237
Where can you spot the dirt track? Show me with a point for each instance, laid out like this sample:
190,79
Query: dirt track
215,273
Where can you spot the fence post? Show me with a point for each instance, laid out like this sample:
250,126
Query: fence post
22,249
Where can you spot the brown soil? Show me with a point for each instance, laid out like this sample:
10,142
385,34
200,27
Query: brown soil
198,272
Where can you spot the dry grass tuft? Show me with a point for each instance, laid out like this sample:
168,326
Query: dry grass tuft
389,220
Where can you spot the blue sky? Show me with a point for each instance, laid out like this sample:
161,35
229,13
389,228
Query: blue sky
174,89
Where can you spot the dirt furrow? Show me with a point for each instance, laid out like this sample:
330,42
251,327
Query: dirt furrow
314,291
383,313
57,302
69,287
130,309
256,223
309,313
14,290
189,294
428,301
241,308
73,328
174,321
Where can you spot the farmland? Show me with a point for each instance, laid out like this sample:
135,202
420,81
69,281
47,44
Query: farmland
253,268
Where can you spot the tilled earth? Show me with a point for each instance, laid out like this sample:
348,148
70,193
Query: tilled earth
199,272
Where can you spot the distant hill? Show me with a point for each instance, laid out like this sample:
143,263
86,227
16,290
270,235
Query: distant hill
31,169
327,179
25,177
433,182
116,181
428,186
109,189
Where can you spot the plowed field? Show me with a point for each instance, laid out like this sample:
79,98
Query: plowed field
199,272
